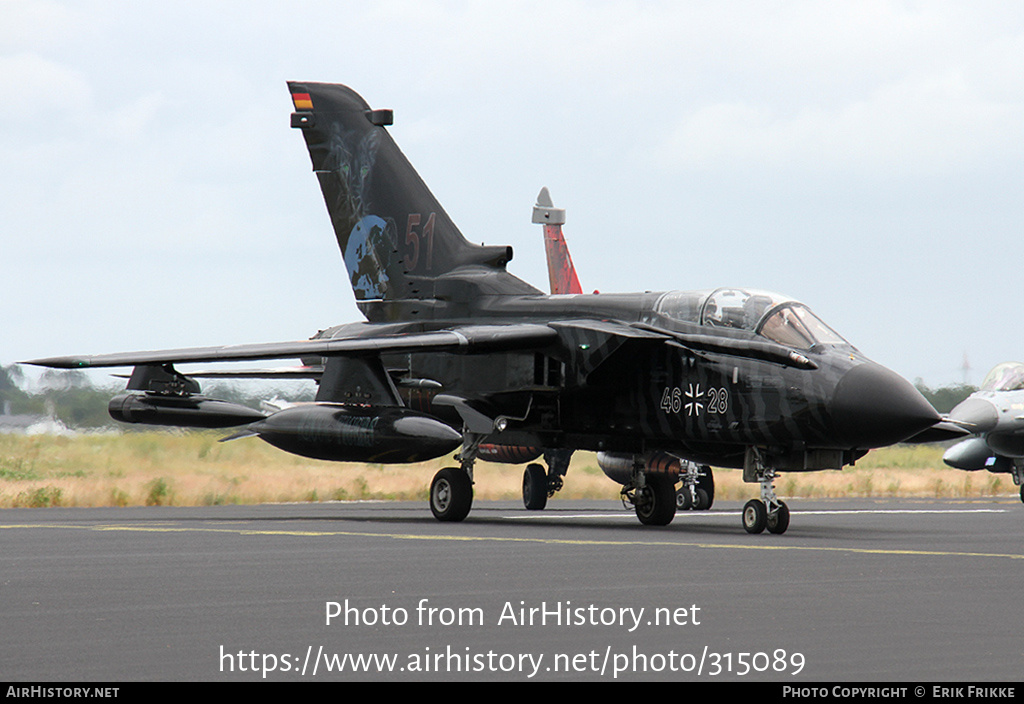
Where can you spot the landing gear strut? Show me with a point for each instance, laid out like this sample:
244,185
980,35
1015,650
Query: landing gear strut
768,511
451,491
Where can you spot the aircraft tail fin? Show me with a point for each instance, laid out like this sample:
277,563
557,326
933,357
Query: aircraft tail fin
397,241
561,272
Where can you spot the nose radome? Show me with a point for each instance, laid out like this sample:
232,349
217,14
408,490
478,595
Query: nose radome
873,406
978,414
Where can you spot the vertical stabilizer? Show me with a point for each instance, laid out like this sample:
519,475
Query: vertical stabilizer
561,272
396,239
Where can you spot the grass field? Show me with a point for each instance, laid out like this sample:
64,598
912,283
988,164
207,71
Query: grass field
194,469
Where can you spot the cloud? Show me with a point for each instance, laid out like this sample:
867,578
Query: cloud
31,24
935,125
943,121
757,142
30,84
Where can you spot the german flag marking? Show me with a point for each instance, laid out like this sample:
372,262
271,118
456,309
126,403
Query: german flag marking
302,101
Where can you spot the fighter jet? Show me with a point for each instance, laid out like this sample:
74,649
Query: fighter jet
457,353
995,415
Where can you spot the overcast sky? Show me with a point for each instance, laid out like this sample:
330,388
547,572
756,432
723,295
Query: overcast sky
866,158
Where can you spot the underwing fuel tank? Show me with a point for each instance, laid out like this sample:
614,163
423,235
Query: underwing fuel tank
189,411
508,454
344,433
619,467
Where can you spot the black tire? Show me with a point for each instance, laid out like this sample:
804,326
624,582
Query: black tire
755,516
778,522
706,481
451,495
683,499
1022,492
535,487
702,502
657,501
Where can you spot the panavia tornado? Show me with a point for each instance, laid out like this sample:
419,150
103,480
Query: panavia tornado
995,415
458,354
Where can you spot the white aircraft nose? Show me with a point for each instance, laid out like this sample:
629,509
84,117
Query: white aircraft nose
978,415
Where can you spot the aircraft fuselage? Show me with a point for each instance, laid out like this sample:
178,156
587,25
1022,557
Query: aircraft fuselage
705,393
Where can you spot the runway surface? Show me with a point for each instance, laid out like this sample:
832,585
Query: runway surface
864,590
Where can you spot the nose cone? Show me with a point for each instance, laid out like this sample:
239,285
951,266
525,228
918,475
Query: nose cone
873,406
977,414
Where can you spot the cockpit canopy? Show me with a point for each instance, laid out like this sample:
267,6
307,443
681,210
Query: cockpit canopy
775,317
1008,376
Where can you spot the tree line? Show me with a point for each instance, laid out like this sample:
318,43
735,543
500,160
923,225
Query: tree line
73,398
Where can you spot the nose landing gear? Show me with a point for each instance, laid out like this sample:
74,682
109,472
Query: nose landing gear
768,511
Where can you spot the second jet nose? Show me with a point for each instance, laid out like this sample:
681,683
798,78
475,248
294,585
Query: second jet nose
978,415
873,406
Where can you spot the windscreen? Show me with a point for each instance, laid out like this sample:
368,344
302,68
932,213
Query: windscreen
794,325
1008,376
776,317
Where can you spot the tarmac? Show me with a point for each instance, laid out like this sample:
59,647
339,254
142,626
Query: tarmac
905,591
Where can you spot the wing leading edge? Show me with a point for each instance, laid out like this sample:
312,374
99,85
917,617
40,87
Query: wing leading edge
469,339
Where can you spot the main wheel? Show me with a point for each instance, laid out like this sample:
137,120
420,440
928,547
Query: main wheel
701,502
683,500
1022,492
451,495
535,487
755,516
778,521
656,502
706,481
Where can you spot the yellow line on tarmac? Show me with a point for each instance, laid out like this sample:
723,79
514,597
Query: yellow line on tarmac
541,541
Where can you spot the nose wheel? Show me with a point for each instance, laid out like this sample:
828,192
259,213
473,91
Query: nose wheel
768,511
757,517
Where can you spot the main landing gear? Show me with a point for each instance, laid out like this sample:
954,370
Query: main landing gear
655,500
768,511
538,485
451,491
697,490
535,487
651,494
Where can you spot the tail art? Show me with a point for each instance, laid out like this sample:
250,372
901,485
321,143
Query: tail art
397,241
